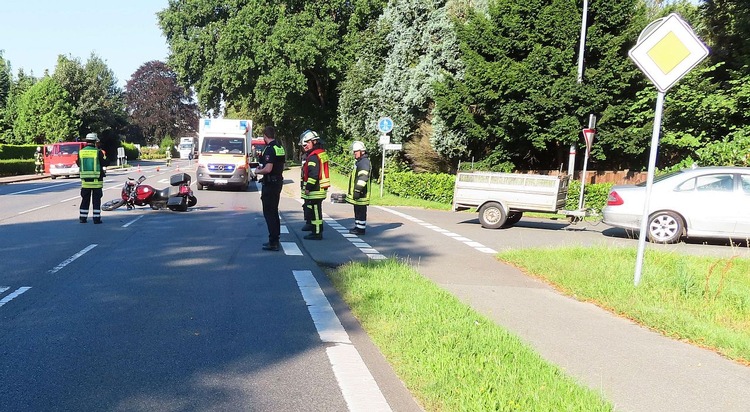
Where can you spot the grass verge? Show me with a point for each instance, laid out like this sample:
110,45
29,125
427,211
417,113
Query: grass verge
703,300
450,357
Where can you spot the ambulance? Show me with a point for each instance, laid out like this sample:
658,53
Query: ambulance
224,150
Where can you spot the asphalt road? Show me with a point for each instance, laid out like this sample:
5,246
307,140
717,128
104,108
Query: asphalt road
183,311
160,310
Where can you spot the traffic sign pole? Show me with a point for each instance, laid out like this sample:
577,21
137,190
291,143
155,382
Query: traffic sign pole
588,136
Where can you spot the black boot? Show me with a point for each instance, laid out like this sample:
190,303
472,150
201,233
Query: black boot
357,231
314,236
308,227
274,246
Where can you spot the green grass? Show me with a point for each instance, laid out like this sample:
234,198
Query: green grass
450,357
703,300
341,183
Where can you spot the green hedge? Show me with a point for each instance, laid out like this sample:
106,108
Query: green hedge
15,167
17,151
439,188
426,186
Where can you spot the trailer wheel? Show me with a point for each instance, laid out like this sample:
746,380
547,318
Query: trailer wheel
513,218
492,215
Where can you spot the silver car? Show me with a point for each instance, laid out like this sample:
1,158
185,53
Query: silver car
703,202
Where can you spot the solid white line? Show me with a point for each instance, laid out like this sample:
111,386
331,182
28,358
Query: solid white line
359,388
133,221
31,210
72,258
68,200
14,295
38,188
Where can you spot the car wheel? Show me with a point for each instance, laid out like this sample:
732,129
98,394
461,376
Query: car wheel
492,215
665,227
199,186
513,218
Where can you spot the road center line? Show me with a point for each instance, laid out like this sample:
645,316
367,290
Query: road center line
14,295
133,221
72,258
359,388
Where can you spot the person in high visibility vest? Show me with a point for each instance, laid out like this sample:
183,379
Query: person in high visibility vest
359,188
315,183
91,165
39,161
271,167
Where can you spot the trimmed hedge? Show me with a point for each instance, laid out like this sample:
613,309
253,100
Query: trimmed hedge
15,167
427,186
17,151
439,187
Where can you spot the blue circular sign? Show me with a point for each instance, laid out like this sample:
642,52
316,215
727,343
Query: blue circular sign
385,124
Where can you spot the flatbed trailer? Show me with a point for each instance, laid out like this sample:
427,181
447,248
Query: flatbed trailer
502,198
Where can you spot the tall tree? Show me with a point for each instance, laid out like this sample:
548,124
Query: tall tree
278,61
158,105
93,91
519,102
45,114
18,88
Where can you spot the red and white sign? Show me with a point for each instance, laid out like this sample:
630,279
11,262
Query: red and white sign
588,135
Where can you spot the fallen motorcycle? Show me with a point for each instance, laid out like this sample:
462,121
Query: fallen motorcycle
177,197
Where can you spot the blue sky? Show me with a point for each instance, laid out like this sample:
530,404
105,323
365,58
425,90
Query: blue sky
124,34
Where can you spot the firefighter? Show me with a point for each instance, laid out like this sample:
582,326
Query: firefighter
39,161
359,188
315,182
91,165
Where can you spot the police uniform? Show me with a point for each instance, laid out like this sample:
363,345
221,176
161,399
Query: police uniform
270,194
90,163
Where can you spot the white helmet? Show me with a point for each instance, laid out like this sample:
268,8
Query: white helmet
307,136
92,137
358,146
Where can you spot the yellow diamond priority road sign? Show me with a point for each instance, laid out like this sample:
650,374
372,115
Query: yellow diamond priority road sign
667,50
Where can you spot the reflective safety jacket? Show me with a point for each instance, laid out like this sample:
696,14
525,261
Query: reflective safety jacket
359,182
315,175
90,164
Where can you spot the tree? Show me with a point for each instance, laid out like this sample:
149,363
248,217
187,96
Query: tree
45,114
519,100
279,62
93,91
158,105
18,87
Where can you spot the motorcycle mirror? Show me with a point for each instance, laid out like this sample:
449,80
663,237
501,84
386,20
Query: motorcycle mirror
141,179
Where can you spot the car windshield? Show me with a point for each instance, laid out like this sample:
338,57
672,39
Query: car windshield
224,145
68,149
662,177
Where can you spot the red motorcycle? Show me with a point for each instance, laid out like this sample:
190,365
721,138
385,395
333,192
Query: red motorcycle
177,197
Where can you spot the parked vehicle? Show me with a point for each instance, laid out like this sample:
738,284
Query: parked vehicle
60,158
177,197
187,147
224,149
502,198
709,202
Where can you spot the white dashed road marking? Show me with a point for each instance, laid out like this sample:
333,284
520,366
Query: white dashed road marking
72,258
476,245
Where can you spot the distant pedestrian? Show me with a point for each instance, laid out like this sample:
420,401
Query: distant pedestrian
91,165
169,156
39,161
359,187
315,183
271,166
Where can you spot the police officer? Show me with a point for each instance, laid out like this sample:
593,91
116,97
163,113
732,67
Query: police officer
271,166
91,165
315,183
359,188
39,161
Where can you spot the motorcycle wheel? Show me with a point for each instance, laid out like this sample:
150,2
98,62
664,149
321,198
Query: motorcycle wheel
192,201
112,204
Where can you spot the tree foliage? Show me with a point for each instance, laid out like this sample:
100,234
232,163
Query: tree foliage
45,114
93,92
157,105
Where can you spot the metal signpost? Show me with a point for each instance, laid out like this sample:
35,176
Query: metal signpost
588,135
385,125
667,49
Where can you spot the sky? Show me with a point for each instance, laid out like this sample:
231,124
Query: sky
123,33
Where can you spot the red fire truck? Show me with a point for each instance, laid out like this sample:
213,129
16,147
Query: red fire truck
60,158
